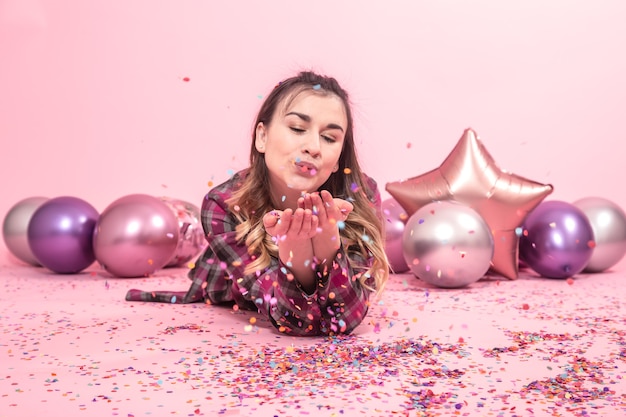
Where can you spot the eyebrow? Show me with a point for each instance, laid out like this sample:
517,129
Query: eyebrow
307,119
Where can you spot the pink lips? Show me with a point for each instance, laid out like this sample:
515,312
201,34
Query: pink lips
305,167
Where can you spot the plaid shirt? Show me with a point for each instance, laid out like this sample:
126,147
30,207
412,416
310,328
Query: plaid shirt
338,305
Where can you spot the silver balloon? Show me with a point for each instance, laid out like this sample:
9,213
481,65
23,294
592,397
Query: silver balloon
395,218
191,241
447,244
15,228
608,222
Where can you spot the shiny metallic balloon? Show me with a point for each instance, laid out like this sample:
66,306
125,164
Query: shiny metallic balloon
15,228
60,234
470,176
447,244
135,236
557,240
608,221
191,241
395,218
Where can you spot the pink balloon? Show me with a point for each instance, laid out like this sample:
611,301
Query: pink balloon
135,236
395,219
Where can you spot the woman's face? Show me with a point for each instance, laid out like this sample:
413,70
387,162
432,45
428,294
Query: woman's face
302,144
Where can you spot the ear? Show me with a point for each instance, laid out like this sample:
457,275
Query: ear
261,137
336,168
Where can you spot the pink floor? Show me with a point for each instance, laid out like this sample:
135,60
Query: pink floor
70,345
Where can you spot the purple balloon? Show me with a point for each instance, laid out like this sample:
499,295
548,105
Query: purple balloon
557,240
60,234
135,236
395,220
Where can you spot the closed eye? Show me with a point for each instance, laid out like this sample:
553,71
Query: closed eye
299,130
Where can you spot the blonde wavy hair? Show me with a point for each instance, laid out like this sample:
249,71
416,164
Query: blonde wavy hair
364,231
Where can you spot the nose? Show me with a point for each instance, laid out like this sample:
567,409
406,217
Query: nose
311,144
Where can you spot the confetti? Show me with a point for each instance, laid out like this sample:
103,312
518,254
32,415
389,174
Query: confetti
420,351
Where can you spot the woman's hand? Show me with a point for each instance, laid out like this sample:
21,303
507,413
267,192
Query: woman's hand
329,210
291,225
293,232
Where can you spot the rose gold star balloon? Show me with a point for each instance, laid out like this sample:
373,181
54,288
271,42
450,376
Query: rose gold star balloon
469,175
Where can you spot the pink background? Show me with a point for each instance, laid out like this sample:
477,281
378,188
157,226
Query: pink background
94,101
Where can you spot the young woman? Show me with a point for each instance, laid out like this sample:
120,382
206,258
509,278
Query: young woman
298,235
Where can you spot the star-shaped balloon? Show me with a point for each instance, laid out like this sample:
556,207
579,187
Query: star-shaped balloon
470,176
